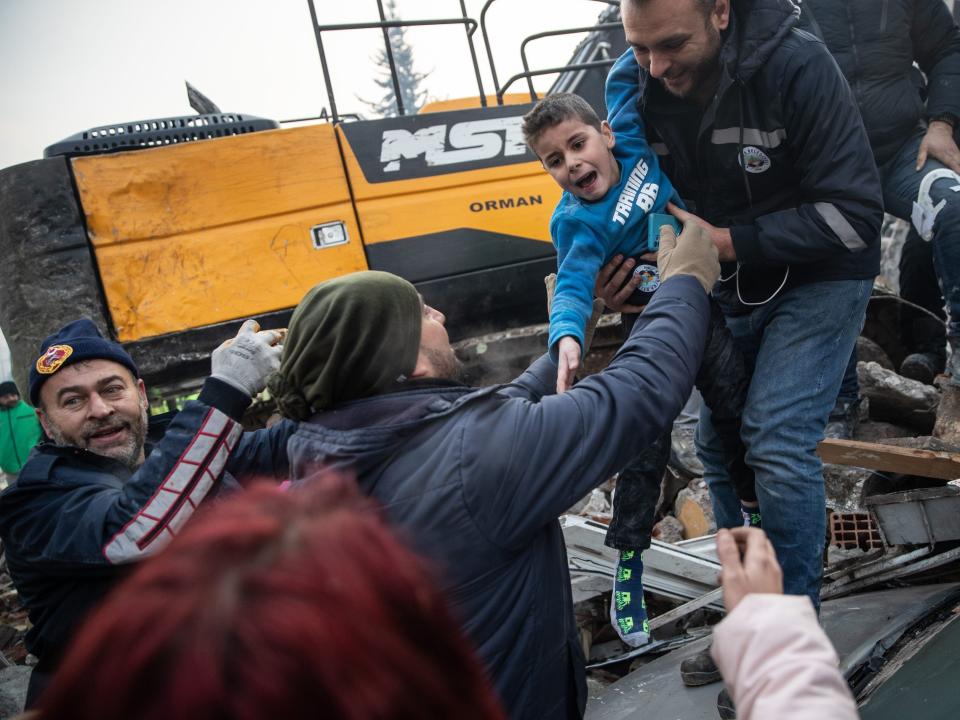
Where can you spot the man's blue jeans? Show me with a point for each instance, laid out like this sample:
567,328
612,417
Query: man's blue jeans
796,347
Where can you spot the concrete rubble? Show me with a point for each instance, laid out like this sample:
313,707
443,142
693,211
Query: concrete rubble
896,398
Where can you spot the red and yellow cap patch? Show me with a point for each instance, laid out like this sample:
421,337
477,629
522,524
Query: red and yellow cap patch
53,358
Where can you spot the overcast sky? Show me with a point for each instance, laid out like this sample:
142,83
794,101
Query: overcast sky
69,65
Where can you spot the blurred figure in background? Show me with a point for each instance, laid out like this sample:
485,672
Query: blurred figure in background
276,604
911,122
19,431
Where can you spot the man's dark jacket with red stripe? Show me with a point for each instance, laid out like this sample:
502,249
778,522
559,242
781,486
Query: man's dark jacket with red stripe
74,521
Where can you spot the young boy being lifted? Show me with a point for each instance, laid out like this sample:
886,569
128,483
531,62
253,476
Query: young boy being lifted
612,183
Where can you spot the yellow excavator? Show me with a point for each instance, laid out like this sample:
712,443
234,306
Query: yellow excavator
168,232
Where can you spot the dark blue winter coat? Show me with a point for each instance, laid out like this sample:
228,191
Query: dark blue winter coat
876,43
74,521
779,155
475,480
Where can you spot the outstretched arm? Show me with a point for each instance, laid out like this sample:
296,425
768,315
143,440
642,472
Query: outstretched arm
621,94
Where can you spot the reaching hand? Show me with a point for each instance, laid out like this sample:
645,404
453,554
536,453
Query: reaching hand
720,236
939,144
614,287
693,253
568,361
749,565
246,361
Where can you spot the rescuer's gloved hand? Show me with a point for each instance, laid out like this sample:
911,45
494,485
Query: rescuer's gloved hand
551,282
693,253
246,361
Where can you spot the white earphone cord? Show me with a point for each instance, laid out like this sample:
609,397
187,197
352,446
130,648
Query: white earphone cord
736,274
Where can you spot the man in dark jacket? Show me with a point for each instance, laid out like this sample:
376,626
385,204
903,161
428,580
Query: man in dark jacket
876,43
758,131
475,479
94,498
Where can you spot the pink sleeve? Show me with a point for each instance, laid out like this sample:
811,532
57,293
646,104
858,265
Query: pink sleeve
778,663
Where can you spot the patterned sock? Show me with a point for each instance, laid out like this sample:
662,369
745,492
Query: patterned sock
628,609
751,516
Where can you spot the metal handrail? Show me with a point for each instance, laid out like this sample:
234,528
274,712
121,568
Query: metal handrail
493,69
473,54
486,44
470,25
554,33
550,71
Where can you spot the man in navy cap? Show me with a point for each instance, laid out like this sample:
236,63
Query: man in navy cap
94,497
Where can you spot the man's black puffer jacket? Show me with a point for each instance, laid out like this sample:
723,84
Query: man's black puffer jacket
876,42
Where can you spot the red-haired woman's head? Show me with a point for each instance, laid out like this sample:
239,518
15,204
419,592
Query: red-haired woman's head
275,604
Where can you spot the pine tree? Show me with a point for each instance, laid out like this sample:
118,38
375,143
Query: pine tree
412,95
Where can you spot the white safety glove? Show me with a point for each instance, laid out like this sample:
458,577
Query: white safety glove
246,361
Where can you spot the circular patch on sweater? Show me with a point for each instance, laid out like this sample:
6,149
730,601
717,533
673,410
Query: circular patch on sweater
649,278
755,160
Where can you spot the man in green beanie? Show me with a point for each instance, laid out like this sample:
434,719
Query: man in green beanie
19,429
475,479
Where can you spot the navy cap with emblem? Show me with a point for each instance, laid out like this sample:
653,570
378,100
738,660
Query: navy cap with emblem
76,341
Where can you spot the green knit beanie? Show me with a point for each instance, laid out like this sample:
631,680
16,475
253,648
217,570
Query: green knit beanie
350,337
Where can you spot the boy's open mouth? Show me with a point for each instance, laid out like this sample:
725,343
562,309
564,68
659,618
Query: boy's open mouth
587,179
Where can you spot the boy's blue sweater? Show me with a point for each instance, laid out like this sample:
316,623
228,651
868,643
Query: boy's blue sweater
588,234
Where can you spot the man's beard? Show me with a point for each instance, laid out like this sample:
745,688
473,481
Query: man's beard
128,453
704,73
446,365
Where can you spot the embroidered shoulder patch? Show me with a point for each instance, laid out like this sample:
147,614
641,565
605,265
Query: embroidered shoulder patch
53,358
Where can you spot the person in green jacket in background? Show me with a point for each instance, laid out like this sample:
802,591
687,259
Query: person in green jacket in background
19,429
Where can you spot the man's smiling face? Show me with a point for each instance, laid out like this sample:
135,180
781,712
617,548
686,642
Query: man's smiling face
678,42
579,158
97,405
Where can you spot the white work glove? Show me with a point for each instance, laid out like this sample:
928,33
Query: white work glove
246,361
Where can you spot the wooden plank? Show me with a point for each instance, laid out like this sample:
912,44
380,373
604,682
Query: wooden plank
873,456
687,608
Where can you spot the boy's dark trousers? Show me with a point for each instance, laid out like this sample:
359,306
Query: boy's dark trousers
722,380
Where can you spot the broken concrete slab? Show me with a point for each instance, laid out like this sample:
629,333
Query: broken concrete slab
947,425
13,689
898,399
869,351
598,507
694,510
844,487
880,431
668,530
924,442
